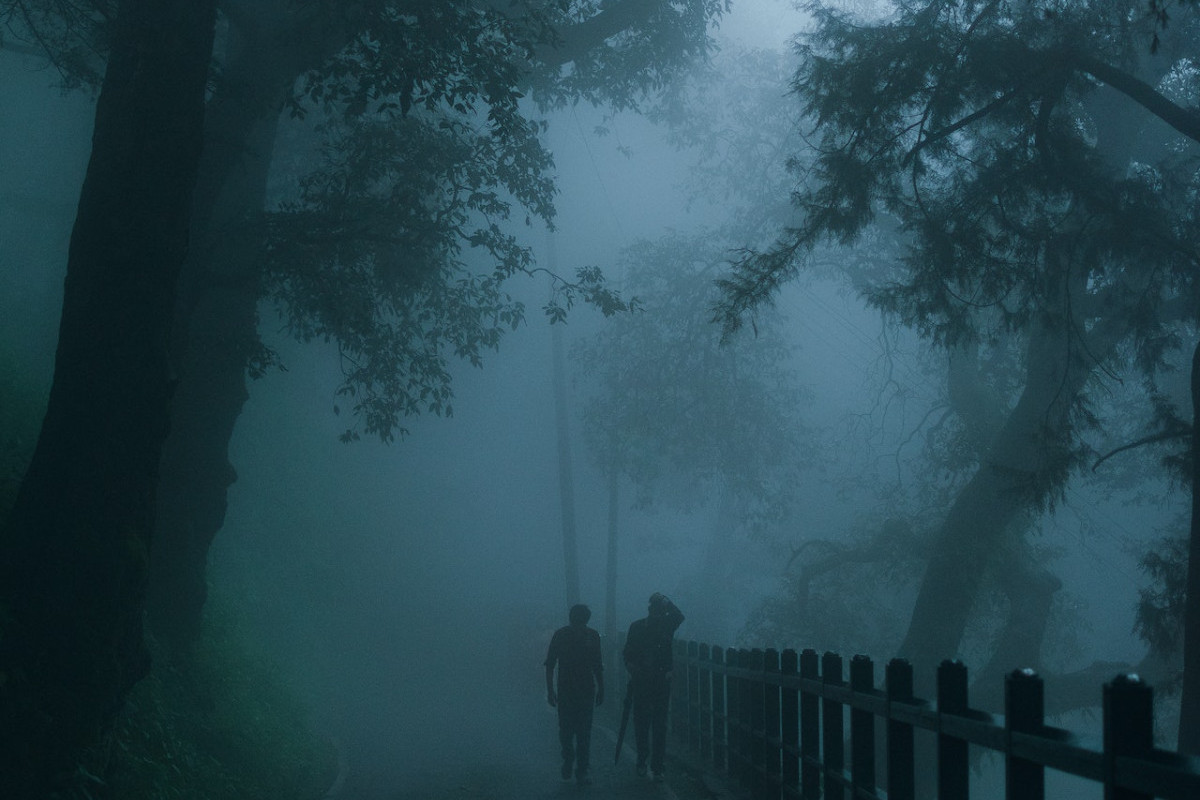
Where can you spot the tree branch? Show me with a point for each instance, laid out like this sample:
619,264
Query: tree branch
1184,120
577,40
1162,436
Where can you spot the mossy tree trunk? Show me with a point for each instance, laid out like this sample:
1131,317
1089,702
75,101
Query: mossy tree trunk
74,549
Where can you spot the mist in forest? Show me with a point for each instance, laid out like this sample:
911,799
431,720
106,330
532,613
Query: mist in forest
785,486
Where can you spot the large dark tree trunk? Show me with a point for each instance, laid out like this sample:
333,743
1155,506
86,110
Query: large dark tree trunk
216,330
216,325
74,553
1189,709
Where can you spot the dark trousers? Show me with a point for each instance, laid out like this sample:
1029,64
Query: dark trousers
575,733
651,697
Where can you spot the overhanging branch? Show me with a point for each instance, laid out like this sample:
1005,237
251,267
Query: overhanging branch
1184,120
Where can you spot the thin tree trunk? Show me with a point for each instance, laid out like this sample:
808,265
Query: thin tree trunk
610,582
75,548
1189,704
566,481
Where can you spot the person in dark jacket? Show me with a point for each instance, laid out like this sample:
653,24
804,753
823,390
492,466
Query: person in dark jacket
575,648
648,658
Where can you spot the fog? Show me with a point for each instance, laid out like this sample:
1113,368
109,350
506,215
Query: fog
408,590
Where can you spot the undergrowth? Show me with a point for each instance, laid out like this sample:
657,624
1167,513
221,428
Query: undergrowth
218,723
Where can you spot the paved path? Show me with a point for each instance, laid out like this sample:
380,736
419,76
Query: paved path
484,741
525,778
515,783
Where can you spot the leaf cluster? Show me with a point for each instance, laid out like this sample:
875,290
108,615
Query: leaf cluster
1160,607
648,46
73,34
373,255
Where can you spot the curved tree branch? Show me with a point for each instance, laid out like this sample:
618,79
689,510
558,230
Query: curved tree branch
1185,120
1161,436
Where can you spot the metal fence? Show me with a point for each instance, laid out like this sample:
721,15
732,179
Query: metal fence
776,724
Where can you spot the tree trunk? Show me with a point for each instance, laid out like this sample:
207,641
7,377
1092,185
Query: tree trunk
1030,589
1189,708
216,324
566,483
1025,462
610,582
75,546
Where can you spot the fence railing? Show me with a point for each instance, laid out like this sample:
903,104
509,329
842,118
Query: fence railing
776,724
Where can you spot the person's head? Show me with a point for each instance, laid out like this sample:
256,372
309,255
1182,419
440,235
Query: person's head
658,604
579,614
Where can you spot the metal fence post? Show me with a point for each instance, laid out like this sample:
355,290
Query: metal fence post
810,730
746,704
758,731
719,715
733,714
771,741
678,709
692,674
1128,730
953,765
789,725
901,766
833,727
1024,712
862,727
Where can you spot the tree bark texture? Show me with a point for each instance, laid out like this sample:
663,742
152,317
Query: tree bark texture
75,545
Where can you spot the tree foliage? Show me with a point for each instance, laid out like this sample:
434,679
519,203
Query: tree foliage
975,127
1036,162
681,415
400,243
73,35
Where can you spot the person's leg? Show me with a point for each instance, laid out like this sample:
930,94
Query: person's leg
641,723
583,734
658,725
566,737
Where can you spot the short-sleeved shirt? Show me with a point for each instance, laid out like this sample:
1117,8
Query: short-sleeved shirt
576,651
